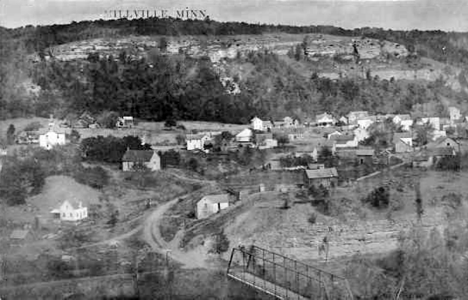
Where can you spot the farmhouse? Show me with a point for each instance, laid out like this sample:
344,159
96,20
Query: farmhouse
356,115
71,212
322,176
403,142
51,138
443,142
211,204
455,114
361,134
433,121
125,122
366,122
404,121
345,141
196,141
365,156
324,120
245,136
134,159
427,158
257,124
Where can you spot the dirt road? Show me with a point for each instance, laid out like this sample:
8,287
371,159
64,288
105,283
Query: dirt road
152,235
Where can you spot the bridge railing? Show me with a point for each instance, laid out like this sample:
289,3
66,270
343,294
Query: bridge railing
281,275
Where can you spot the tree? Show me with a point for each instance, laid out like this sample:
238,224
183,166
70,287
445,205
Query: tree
20,178
170,122
10,134
180,139
282,140
74,136
221,243
163,44
424,133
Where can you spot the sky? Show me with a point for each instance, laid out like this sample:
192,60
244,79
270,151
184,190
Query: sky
447,15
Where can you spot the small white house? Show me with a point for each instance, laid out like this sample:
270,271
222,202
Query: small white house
196,141
361,134
257,124
355,115
245,136
433,121
325,119
455,114
365,122
404,121
51,138
211,204
70,212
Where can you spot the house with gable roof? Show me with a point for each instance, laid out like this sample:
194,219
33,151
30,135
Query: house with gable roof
327,177
71,211
211,204
403,142
133,159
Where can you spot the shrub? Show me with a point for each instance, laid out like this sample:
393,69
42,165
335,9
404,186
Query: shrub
33,126
95,177
221,243
378,198
312,218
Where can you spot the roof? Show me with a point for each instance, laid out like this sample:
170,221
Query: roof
245,132
342,138
401,135
327,115
220,198
438,141
443,151
322,173
191,137
404,117
358,113
365,152
19,234
138,155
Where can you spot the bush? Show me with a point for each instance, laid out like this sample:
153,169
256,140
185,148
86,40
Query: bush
95,177
221,243
312,218
33,126
378,198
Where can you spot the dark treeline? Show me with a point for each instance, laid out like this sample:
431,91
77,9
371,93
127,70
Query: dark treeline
183,88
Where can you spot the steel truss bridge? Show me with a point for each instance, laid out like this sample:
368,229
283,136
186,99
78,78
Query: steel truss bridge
283,277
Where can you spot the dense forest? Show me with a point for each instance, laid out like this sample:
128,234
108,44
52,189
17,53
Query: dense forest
184,88
180,87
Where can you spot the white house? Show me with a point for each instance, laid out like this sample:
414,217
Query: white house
288,122
345,141
404,121
245,136
51,138
361,134
325,119
355,115
330,135
211,204
433,121
196,141
133,159
257,124
366,122
437,134
71,212
455,114
344,120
